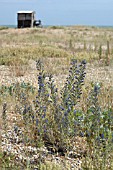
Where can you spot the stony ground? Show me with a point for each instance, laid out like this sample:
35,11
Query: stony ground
94,72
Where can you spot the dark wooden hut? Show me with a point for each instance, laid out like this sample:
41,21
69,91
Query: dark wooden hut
25,19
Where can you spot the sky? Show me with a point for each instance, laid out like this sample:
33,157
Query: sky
60,12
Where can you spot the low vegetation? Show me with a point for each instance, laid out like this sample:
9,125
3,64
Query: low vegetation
3,27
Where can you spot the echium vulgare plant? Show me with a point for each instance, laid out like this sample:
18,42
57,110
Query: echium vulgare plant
52,116
98,132
93,114
71,95
46,97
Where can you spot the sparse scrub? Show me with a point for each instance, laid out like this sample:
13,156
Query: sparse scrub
21,56
3,28
57,27
10,60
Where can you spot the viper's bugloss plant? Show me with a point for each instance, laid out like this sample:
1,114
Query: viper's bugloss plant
98,132
93,114
71,94
53,116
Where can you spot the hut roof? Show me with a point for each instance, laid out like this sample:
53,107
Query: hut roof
24,12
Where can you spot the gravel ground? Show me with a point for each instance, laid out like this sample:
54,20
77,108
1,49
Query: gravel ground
95,72
12,143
